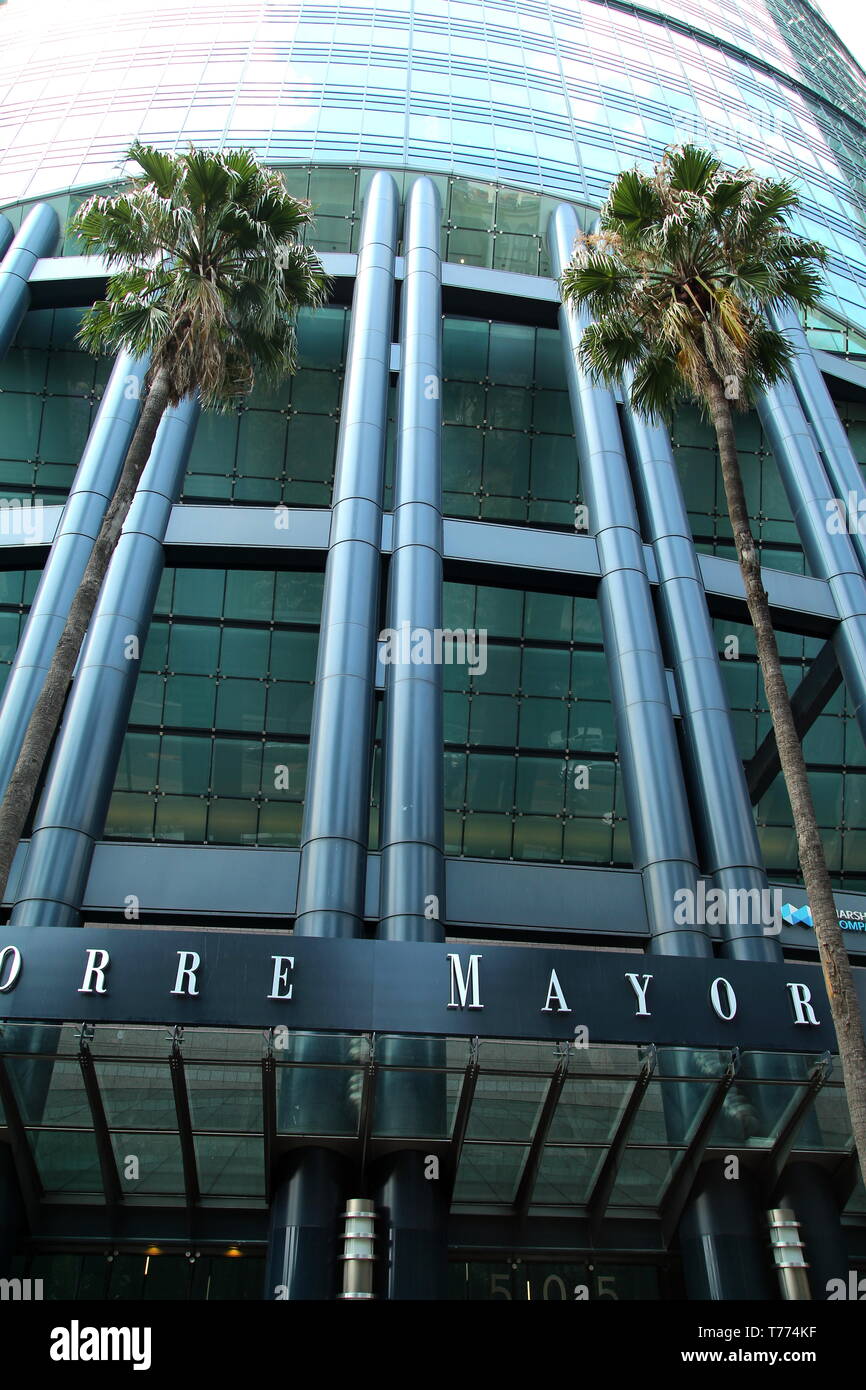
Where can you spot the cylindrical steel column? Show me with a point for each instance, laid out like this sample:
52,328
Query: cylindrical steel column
92,489
7,233
412,893
723,1238
727,834
413,1244
302,1239
414,1208
829,550
659,822
337,804
819,408
37,236
78,788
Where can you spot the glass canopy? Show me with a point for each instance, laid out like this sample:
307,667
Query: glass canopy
149,1115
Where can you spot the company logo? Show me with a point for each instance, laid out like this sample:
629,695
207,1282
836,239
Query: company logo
802,916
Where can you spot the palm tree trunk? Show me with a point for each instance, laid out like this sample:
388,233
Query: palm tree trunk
838,978
48,709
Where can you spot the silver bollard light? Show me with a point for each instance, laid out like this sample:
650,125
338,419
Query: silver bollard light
788,1254
359,1248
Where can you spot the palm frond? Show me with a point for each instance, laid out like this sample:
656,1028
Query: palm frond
687,261
208,272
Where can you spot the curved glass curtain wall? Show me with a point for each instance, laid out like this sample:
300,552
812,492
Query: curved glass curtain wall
522,104
533,95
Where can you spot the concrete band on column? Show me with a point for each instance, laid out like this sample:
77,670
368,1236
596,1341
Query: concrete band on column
727,834
78,788
36,237
412,778
337,805
830,553
842,467
659,823
92,489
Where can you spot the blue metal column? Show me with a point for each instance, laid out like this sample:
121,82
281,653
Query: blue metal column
659,822
92,489
831,555
729,841
337,806
37,236
714,1221
413,1208
412,779
842,467
309,1191
723,1238
80,779
7,233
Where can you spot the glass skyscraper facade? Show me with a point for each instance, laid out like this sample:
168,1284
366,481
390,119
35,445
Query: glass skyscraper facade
259,770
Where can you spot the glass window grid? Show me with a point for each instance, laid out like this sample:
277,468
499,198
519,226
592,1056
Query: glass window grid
280,445
508,444
835,758
773,525
49,392
531,770
502,226
217,741
17,588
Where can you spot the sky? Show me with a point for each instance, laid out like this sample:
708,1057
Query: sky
848,18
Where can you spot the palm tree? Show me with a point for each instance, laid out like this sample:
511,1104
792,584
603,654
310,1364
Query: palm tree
686,262
208,275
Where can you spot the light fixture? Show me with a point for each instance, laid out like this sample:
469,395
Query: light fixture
234,1253
359,1248
788,1254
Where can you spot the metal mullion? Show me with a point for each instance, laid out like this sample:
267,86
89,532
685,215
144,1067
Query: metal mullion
793,1118
269,1114
184,1120
604,1183
464,1108
22,1156
102,1135
365,1117
526,1185
680,1185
